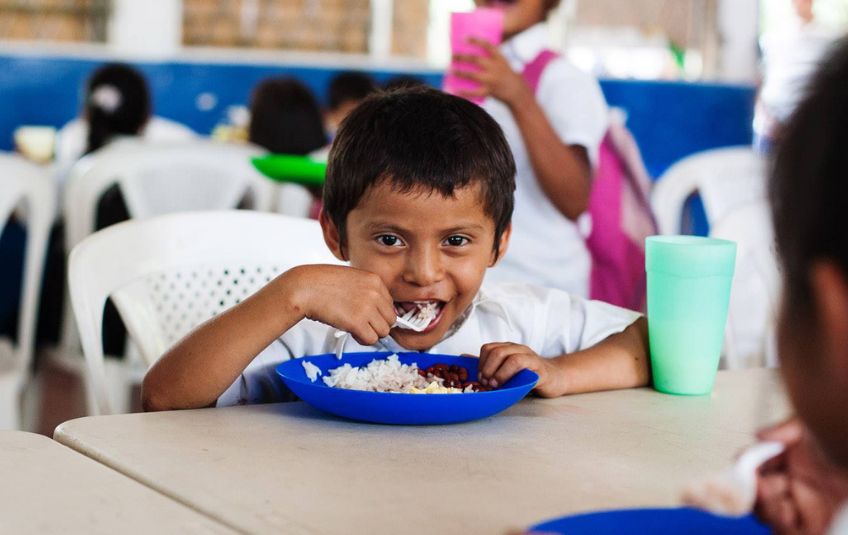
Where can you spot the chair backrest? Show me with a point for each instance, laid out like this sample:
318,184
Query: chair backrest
756,285
163,178
725,178
27,186
167,274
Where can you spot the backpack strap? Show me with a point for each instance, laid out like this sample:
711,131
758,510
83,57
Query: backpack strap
532,72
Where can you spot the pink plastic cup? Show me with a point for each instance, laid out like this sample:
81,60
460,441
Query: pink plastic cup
485,24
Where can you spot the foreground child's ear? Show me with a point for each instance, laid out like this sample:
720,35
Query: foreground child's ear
502,246
830,292
331,236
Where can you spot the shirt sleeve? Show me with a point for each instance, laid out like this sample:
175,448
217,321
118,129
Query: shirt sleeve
574,105
575,323
259,382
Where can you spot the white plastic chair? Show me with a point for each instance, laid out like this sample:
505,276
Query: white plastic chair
26,188
154,179
724,178
167,274
756,286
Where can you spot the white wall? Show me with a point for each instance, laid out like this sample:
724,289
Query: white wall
738,24
147,28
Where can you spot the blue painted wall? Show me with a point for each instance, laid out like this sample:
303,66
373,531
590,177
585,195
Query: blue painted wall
669,120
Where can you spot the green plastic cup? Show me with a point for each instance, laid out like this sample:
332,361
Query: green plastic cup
689,281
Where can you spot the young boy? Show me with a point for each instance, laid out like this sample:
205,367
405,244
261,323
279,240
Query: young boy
418,199
802,490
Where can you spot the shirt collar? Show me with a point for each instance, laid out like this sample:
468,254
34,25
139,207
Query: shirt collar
524,47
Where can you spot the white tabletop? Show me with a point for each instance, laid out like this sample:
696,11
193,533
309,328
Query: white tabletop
48,488
289,468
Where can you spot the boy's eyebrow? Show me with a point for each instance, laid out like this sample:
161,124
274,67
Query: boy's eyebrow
378,225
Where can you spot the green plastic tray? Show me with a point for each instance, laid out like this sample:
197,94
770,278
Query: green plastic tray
289,168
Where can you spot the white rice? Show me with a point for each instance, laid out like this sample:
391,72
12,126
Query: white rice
312,371
387,375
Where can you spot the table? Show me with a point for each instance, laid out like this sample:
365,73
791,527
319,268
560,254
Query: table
48,488
289,468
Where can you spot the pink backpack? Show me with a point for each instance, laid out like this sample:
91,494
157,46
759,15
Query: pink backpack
620,211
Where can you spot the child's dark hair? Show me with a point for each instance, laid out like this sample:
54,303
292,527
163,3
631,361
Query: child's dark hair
286,118
420,139
117,102
809,181
403,81
350,86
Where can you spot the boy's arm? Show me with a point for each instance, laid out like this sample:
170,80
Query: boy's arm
564,171
201,366
619,361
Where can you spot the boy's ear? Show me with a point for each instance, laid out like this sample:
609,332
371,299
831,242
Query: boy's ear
331,236
504,244
830,292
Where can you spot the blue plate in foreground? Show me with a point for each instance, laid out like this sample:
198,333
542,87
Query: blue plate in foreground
394,408
653,522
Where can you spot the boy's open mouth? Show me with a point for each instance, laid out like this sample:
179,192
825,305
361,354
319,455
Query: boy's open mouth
426,309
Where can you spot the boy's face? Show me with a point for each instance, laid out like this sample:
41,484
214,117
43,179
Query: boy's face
814,359
425,247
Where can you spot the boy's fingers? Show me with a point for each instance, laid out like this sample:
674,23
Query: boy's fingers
492,362
788,432
512,365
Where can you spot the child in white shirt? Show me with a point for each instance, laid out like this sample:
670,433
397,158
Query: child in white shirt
554,133
418,199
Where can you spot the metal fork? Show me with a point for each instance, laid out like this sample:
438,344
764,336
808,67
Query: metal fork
407,321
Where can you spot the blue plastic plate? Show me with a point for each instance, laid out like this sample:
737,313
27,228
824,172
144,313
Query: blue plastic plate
653,522
394,408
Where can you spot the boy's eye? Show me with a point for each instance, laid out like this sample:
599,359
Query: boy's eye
456,241
388,240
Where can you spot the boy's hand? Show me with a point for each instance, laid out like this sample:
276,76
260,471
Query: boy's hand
343,297
495,76
499,362
799,491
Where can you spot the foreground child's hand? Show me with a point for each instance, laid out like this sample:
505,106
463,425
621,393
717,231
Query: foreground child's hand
499,362
799,491
343,297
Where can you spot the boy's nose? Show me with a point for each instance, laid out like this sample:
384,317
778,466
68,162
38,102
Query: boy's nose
424,268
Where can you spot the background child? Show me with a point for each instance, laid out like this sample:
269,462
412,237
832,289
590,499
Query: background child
286,119
801,491
555,135
418,199
345,93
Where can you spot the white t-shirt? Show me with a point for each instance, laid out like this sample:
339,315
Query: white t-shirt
546,248
840,523
790,57
72,139
550,322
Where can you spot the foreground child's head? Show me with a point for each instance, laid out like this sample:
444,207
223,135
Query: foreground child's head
419,190
809,195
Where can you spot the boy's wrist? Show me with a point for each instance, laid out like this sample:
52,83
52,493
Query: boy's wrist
292,290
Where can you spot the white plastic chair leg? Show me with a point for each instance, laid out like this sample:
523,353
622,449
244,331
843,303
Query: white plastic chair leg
10,404
119,387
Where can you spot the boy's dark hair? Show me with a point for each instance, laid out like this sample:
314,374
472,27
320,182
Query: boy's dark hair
286,118
809,181
130,114
347,86
403,81
419,139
